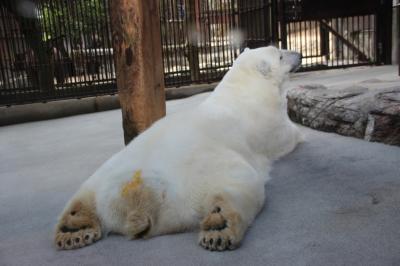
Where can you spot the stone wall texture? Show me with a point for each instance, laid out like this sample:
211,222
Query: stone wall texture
358,111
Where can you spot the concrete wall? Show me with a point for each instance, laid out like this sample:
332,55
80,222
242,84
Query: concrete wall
57,109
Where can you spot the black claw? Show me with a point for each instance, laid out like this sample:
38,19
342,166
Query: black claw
229,243
219,242
69,242
59,243
73,213
77,240
211,241
86,237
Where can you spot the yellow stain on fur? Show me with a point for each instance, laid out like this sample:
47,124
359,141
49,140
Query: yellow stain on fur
136,182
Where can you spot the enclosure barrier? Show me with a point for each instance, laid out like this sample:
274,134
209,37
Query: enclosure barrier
56,49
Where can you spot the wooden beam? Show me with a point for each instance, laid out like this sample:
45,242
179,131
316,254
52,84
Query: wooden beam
360,54
138,59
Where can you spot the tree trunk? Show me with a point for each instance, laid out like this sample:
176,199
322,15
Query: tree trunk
138,59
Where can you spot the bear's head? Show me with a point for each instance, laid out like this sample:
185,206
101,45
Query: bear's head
268,62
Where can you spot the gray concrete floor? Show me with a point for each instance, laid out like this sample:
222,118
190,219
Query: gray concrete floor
334,201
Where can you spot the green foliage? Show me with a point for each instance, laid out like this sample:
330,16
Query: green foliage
72,18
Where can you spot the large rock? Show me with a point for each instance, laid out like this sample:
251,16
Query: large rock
359,111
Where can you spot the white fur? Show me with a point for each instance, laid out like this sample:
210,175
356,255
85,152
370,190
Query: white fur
224,145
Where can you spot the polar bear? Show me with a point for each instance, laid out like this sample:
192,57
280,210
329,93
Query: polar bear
203,168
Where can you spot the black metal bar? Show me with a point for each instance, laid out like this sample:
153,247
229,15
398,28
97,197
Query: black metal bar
282,20
398,35
274,22
173,30
384,22
8,24
290,32
267,21
108,40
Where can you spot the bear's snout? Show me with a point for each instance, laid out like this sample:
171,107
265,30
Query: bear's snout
294,60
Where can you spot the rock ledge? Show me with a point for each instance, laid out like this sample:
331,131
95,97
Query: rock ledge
358,111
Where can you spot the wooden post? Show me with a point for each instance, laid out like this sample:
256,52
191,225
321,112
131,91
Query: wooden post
138,60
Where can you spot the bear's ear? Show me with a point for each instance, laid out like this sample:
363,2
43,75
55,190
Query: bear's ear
244,50
263,67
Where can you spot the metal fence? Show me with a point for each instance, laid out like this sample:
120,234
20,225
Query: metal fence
336,42
195,40
341,34
57,49
54,50
201,38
